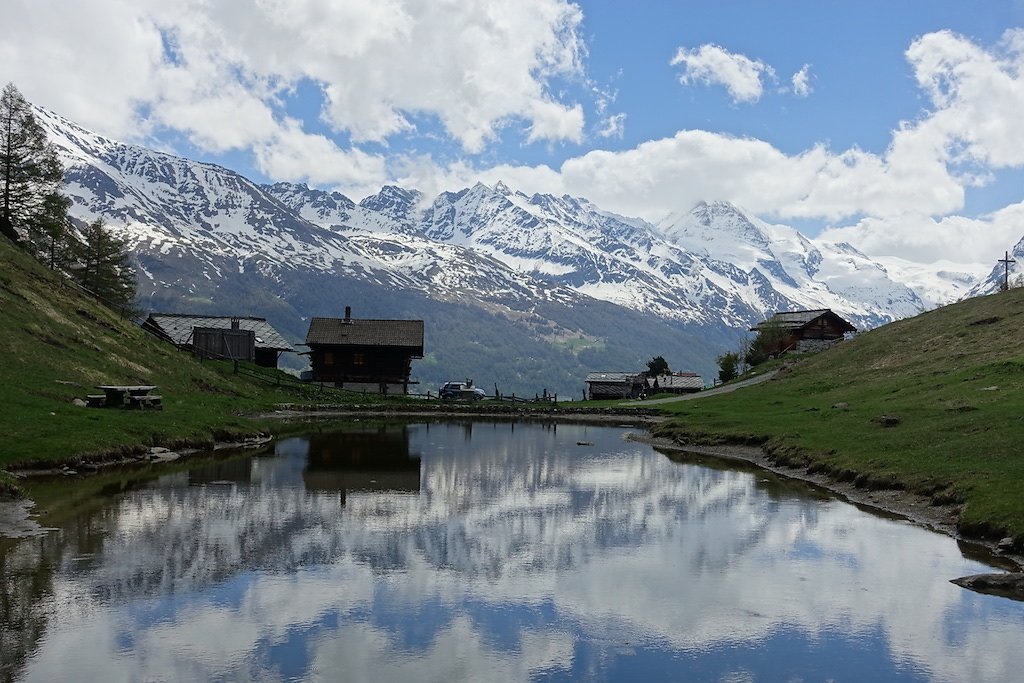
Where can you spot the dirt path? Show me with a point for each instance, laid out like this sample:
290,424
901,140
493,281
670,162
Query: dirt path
725,389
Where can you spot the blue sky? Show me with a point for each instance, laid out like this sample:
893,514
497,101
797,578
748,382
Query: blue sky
900,134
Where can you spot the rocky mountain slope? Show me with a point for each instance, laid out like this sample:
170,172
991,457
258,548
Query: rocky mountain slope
525,291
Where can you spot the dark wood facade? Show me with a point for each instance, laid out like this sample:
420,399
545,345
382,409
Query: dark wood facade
615,385
785,330
368,355
235,343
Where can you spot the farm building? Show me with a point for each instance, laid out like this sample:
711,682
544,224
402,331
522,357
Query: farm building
364,355
612,385
676,383
231,337
802,330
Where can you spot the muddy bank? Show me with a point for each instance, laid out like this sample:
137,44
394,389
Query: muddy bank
913,507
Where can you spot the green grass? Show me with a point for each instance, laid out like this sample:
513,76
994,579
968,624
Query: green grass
952,378
57,345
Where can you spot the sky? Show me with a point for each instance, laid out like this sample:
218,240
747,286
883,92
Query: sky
897,126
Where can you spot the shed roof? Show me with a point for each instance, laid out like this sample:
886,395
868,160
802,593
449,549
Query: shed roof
363,332
688,381
621,377
178,327
795,320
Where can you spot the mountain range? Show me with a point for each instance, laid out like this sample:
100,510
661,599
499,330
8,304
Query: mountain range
527,292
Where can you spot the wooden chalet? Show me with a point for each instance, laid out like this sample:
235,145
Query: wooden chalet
804,330
675,383
364,355
225,337
614,385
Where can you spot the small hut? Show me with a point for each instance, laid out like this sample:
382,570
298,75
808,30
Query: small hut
223,336
675,383
614,385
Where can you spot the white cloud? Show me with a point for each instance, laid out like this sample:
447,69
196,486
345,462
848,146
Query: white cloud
613,127
802,81
217,72
922,238
293,155
713,65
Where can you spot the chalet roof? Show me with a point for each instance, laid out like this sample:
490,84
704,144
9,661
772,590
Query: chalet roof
362,332
178,327
795,320
687,381
619,377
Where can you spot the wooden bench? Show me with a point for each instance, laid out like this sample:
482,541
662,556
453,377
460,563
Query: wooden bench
145,401
96,400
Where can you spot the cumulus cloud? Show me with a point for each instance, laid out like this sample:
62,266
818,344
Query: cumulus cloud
925,238
220,73
290,154
713,65
802,81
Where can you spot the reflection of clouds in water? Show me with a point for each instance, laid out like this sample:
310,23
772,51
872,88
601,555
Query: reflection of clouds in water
457,653
612,545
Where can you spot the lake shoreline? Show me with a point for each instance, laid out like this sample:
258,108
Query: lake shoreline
915,508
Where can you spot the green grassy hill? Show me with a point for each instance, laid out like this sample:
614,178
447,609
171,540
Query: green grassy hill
57,345
932,404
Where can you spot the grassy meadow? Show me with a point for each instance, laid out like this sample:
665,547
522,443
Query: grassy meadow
932,404
58,345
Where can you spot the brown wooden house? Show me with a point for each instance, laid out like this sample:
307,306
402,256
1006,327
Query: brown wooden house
803,330
364,355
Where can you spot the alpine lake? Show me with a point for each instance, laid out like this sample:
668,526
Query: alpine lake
484,551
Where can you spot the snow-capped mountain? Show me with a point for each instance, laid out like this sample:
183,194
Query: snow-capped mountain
995,279
712,265
554,279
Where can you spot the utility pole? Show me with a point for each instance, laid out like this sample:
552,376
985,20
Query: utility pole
1006,261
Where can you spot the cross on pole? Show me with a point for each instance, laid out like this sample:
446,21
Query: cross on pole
1006,261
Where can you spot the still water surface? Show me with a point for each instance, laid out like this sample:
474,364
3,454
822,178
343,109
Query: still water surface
489,552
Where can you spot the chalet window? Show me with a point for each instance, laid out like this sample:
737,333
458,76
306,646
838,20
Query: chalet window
358,359
328,358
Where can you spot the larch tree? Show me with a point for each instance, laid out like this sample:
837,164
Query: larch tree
104,268
31,205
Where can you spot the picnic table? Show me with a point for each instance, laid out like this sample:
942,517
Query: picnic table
137,395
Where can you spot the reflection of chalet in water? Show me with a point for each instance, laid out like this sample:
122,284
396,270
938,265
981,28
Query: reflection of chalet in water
804,330
614,385
219,336
364,355
371,460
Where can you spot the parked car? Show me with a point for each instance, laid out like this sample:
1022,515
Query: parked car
461,390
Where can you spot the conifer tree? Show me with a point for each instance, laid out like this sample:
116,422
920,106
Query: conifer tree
104,268
30,175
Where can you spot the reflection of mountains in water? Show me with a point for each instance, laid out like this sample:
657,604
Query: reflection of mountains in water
366,460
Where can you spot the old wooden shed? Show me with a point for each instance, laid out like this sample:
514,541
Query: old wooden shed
221,336
675,383
364,355
613,385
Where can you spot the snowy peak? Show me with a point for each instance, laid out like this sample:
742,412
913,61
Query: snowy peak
1012,271
312,203
714,265
394,202
713,227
